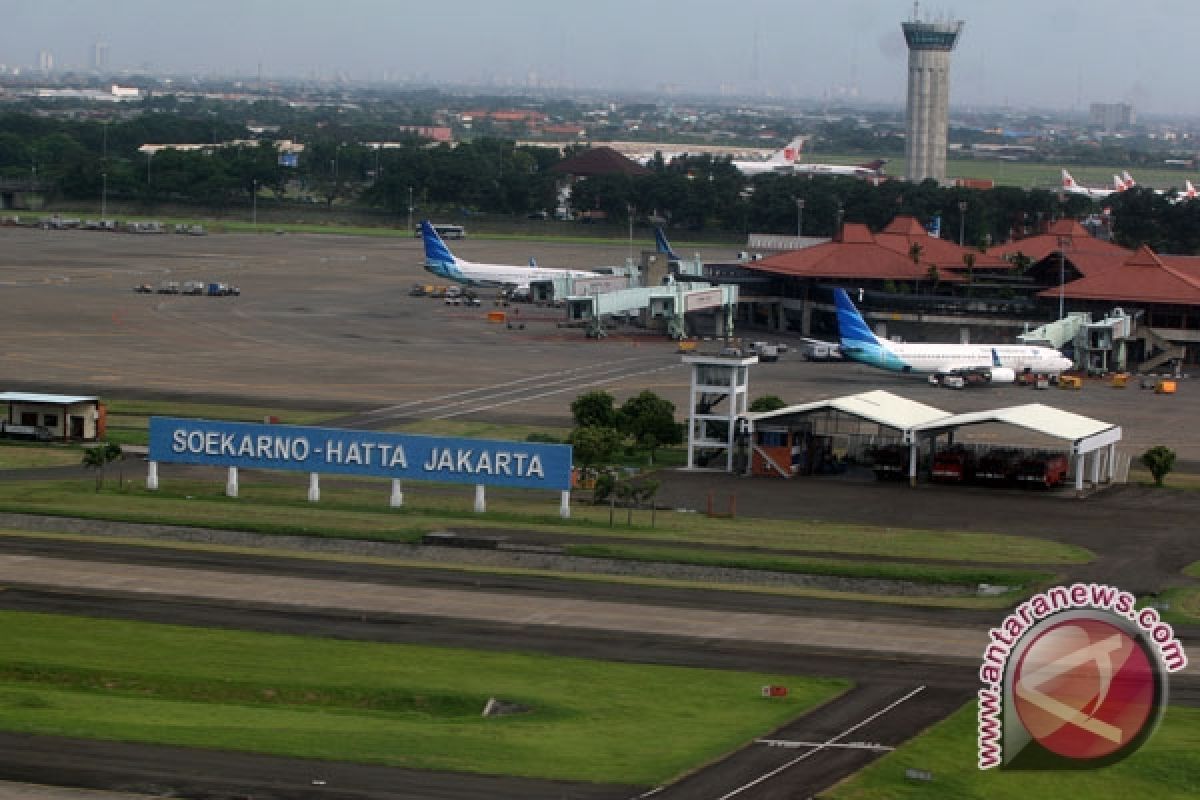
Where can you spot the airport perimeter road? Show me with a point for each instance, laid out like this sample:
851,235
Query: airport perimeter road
326,322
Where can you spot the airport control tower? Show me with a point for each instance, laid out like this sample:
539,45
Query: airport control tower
929,46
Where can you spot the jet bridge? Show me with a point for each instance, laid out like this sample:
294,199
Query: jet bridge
665,306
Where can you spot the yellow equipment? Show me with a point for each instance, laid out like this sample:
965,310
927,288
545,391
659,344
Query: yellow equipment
1070,382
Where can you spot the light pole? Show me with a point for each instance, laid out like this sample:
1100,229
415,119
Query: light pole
1063,243
254,206
410,209
103,196
799,217
962,220
629,209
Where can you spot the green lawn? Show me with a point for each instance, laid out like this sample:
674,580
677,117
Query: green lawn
18,456
129,420
358,509
1167,767
401,705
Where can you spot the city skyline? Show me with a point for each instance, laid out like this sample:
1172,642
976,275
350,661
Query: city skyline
1023,54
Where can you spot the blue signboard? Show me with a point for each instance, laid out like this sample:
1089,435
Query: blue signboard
289,160
335,450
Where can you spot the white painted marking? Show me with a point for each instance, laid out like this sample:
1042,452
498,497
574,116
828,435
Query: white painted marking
828,743
787,743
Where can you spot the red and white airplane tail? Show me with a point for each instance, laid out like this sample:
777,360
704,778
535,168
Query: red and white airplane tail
1119,184
789,154
1189,191
1129,181
1067,181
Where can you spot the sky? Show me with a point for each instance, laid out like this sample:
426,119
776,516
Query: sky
1055,54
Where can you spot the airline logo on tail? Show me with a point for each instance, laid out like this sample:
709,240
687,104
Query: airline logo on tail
438,258
857,341
1189,192
1067,181
663,246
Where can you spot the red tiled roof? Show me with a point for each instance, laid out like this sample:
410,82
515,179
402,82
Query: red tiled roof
1079,241
599,161
859,254
905,231
1143,277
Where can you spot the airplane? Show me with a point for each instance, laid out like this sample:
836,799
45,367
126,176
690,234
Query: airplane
870,169
1070,186
988,363
441,262
782,161
662,246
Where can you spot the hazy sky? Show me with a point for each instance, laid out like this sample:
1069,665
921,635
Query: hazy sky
1051,53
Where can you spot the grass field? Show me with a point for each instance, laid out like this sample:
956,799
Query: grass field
358,509
401,705
1029,175
1166,768
17,456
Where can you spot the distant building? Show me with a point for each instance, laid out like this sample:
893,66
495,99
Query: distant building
927,115
45,61
100,56
1112,117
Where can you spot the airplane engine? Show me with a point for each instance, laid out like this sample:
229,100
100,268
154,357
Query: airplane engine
1001,375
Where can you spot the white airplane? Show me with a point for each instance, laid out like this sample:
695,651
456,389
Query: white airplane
991,363
441,262
1070,186
871,169
782,161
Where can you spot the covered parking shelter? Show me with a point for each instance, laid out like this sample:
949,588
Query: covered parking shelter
1093,442
812,437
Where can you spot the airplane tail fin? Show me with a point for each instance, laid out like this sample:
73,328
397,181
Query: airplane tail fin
1067,181
663,246
436,252
1189,190
532,261
789,154
1119,184
996,359
1129,181
853,332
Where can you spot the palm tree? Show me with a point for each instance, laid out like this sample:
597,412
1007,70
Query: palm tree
94,458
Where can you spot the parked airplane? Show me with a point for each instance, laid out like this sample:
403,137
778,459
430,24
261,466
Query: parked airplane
992,363
661,245
441,262
782,161
1070,186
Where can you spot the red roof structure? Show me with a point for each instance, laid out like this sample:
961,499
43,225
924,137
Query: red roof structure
1068,235
903,232
1143,277
857,254
599,161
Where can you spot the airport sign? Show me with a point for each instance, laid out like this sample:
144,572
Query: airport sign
356,452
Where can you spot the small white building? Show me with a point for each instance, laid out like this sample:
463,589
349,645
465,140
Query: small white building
65,418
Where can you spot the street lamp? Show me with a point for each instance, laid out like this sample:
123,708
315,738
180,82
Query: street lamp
1063,243
254,206
103,196
410,209
799,217
962,220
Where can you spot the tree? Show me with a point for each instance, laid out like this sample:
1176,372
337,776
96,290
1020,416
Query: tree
1159,460
594,444
95,458
113,452
650,421
594,409
768,402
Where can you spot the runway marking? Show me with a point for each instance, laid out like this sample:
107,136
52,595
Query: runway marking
823,746
793,745
570,388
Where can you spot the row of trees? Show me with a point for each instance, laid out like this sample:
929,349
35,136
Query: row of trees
80,159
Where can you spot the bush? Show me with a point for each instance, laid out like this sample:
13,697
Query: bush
1159,460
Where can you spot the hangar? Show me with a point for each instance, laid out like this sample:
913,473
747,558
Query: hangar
893,432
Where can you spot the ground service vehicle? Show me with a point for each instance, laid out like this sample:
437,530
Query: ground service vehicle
889,461
998,466
1045,470
954,465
